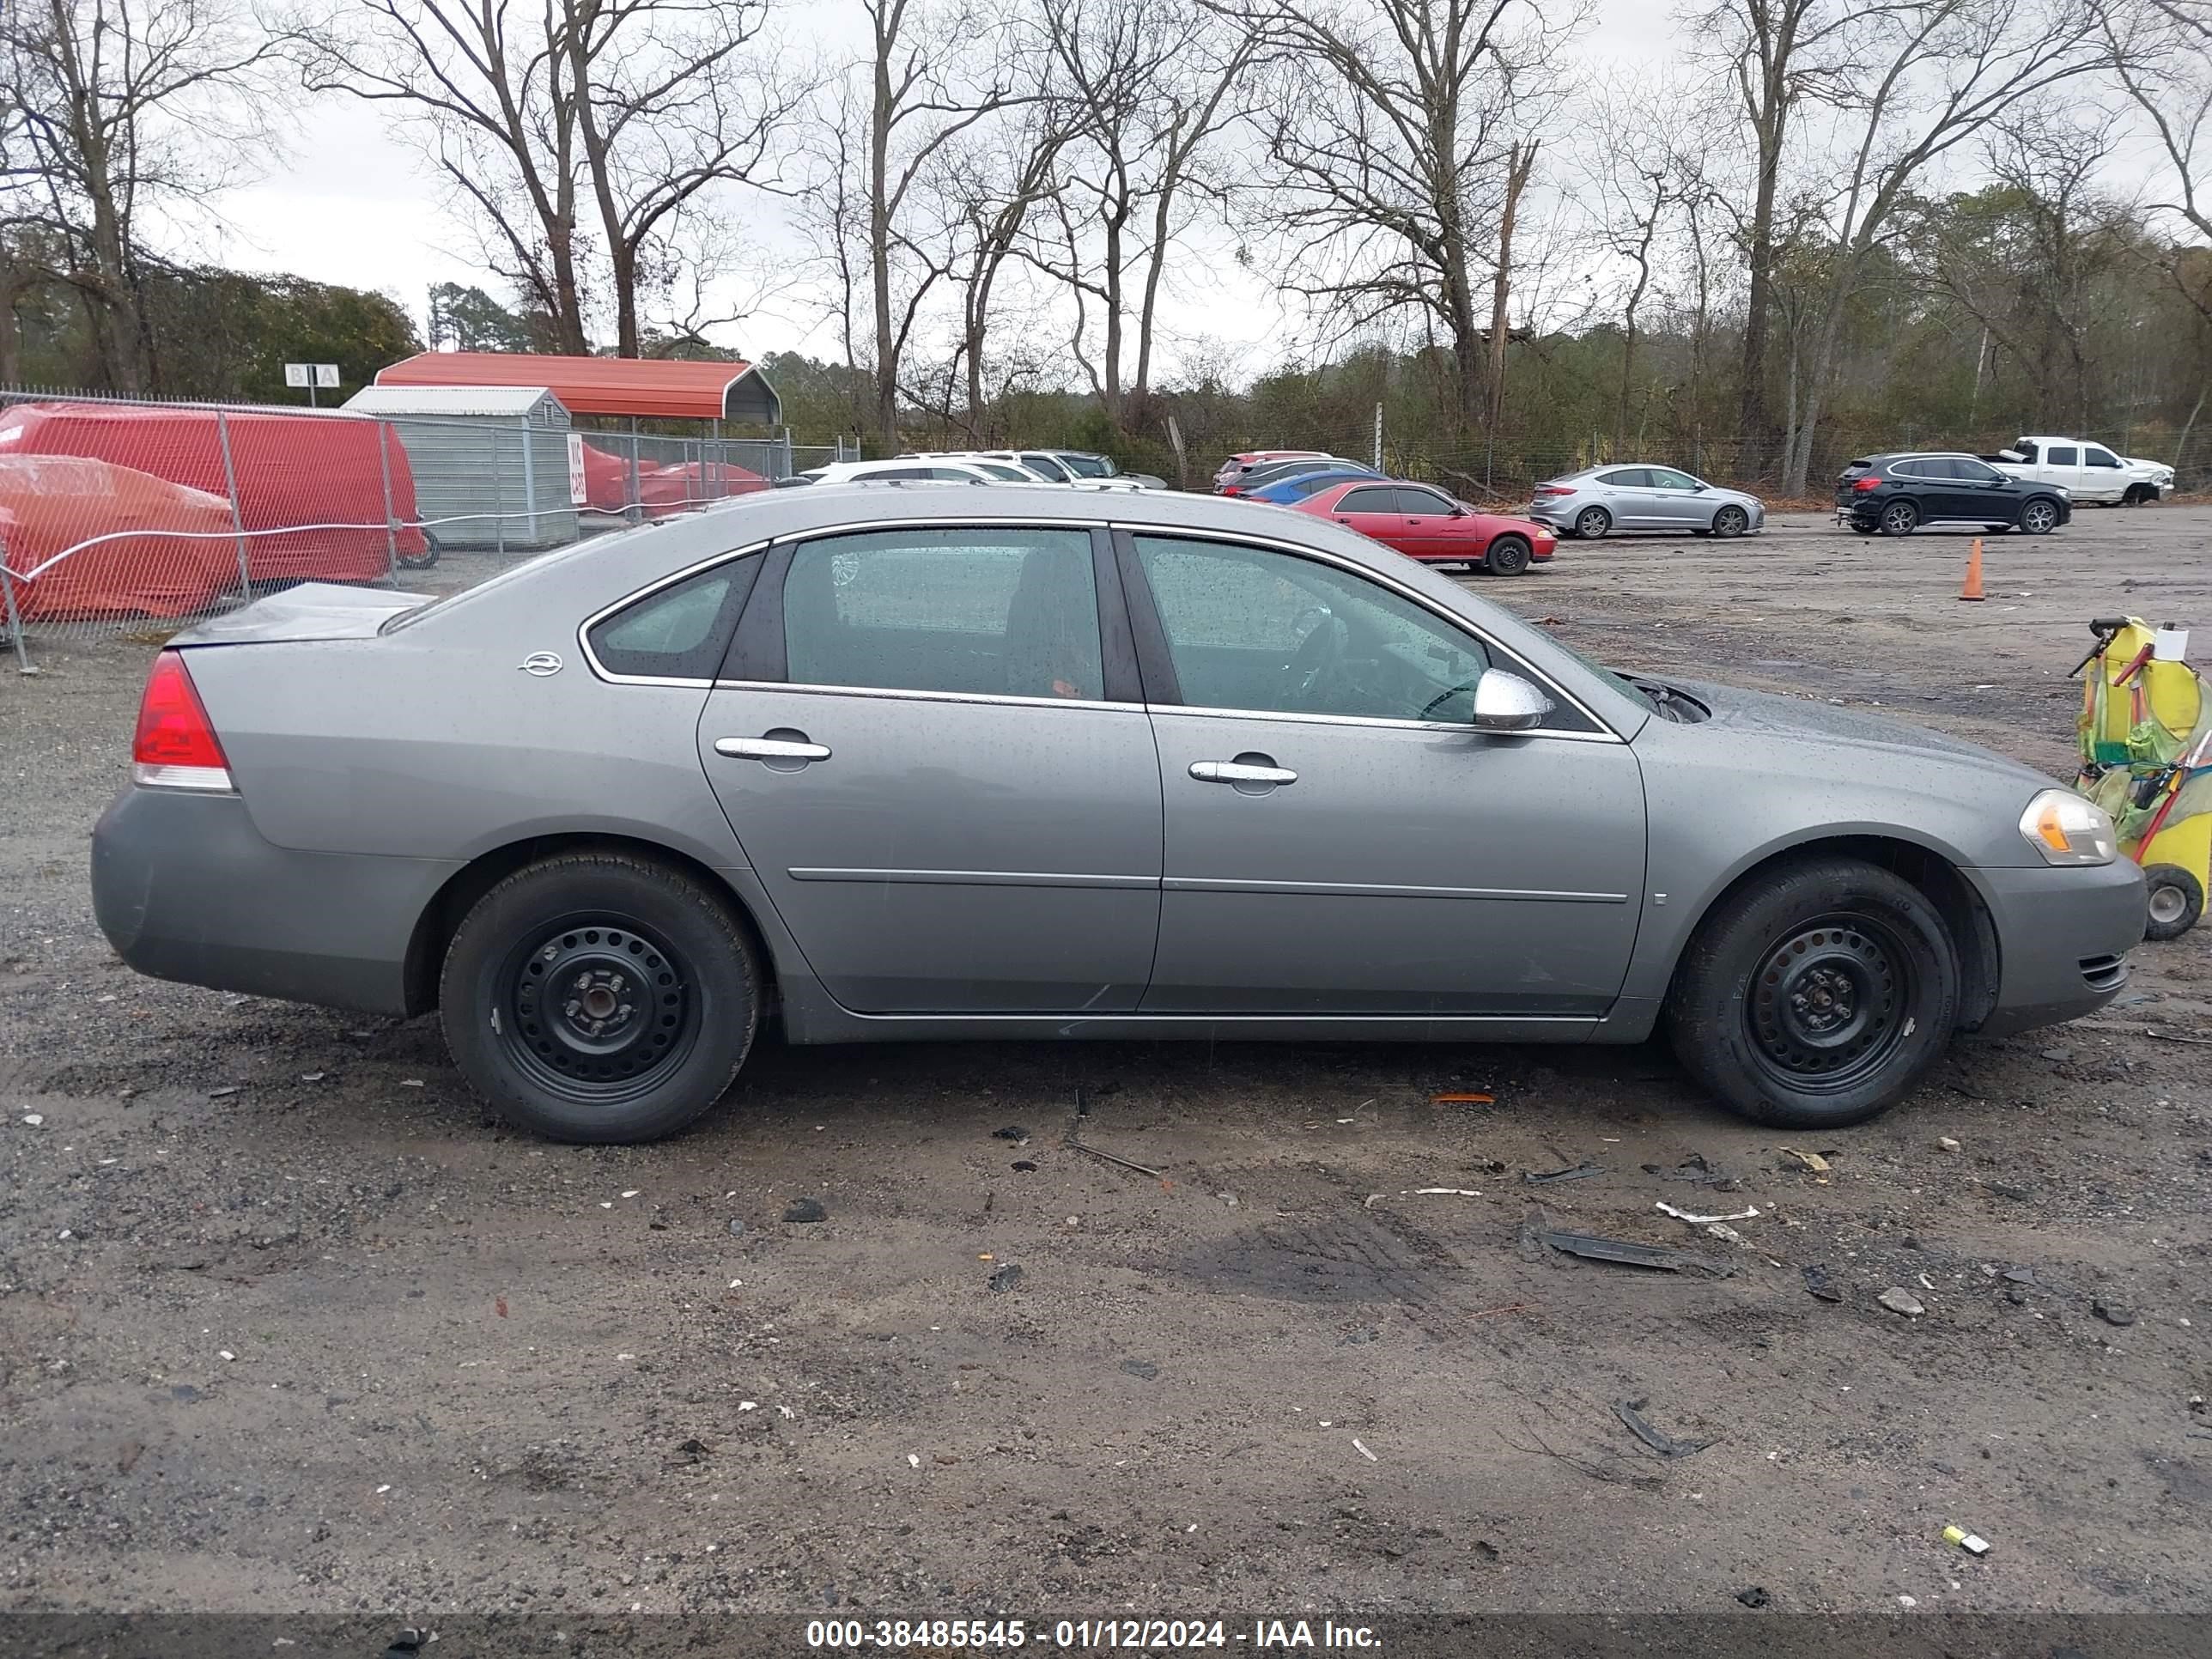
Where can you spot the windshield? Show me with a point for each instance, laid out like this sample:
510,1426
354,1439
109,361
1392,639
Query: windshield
1627,688
1089,467
1000,470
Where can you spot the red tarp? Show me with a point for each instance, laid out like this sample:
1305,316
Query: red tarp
292,470
52,503
663,488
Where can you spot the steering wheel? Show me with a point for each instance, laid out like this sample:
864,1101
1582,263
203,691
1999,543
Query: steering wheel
1446,695
1317,657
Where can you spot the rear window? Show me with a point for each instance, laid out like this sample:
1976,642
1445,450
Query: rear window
678,633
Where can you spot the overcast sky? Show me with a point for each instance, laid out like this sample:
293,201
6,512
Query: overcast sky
352,204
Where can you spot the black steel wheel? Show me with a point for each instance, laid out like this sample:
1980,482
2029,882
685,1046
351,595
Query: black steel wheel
1507,555
1816,995
600,997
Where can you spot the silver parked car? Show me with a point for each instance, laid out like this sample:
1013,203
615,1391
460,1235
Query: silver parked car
1600,499
892,760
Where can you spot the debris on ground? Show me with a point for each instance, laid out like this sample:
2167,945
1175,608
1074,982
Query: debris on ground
1464,1100
1812,1161
1947,1143
1024,1165
737,1228
33,1119
1748,1213
1697,1171
1012,1131
1598,1249
1966,1540
1361,1446
1630,1412
1899,1300
1818,1282
806,1209
1579,1172
2176,1036
1077,1146
1143,1368
1006,1278
1756,1596
223,1093
1445,1192
2019,1275
2112,1313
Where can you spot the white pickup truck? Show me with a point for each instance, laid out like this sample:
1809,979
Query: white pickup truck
2087,471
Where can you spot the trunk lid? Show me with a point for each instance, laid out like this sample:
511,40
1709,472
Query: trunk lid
1852,473
312,611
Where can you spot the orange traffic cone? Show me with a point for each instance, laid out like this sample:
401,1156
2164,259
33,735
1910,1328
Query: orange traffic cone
1972,590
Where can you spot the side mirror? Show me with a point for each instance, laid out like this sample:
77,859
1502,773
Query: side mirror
1506,703
1457,511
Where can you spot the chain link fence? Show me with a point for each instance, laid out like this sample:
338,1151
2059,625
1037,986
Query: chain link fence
118,515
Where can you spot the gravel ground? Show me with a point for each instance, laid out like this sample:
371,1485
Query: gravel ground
286,1325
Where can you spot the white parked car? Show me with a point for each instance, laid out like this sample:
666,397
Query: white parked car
1042,465
914,469
2086,472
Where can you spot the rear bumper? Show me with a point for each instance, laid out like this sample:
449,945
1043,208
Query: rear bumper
2062,938
186,888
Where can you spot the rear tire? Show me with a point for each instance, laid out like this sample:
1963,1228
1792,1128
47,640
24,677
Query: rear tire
2174,901
599,998
1817,996
1592,523
1508,556
1900,519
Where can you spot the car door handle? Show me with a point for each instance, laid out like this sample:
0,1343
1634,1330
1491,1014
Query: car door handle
1238,772
770,748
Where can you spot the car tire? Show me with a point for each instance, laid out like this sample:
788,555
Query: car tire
1730,522
427,558
1858,529
548,971
2136,496
1817,995
1507,555
1592,523
2174,901
2038,515
1899,518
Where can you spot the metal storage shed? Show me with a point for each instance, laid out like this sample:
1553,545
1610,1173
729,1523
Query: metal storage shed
650,388
491,464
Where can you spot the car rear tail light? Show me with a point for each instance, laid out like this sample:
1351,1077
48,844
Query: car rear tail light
1860,486
1555,489
176,747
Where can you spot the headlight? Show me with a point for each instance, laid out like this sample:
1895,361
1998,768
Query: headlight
2068,830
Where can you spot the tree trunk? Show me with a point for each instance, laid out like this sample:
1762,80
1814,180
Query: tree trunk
879,245
1520,162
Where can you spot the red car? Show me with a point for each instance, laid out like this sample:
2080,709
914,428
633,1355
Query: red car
1423,522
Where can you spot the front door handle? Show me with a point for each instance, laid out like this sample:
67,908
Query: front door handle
770,748
1238,772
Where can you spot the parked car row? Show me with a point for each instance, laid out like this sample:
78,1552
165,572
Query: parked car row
1417,519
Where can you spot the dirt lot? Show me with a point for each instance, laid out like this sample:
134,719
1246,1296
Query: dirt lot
286,1325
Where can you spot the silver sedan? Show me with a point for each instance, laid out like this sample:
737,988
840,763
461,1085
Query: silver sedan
874,761
1600,500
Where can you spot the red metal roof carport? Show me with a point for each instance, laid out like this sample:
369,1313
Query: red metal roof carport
642,388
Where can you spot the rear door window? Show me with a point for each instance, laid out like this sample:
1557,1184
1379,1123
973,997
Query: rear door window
1369,500
992,612
2062,455
1627,477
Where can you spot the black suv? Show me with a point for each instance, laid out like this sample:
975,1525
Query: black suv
1898,494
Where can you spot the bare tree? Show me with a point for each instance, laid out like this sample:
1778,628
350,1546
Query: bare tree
114,108
1146,85
2161,51
491,101
1398,132
989,191
1776,54
671,98
1942,72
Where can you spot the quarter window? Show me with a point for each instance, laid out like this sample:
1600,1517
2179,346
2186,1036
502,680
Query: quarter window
678,633
989,612
1251,629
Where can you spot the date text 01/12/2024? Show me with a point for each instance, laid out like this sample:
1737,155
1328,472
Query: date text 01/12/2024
978,1635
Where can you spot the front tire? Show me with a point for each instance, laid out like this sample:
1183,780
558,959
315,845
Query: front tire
1508,556
1730,522
1592,523
1900,519
2038,516
1817,996
599,998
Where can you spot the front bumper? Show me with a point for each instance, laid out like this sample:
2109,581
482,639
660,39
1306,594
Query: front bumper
2062,938
186,888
